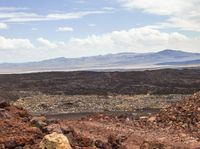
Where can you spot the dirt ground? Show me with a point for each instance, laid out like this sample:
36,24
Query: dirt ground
176,126
100,127
18,129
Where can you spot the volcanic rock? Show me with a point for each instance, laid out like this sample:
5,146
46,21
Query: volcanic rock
53,128
153,145
4,104
55,141
101,145
67,130
2,146
39,122
183,116
152,119
116,141
14,132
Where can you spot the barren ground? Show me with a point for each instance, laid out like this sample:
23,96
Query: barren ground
128,103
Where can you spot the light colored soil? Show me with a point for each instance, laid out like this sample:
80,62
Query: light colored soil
93,103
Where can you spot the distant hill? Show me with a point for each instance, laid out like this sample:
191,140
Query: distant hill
193,62
109,61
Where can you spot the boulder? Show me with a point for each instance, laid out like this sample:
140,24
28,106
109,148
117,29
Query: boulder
2,110
11,144
152,119
55,141
39,122
116,141
154,145
41,118
53,128
67,129
4,104
5,115
102,145
2,146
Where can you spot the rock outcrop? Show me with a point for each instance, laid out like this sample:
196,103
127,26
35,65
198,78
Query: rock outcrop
55,141
183,116
16,129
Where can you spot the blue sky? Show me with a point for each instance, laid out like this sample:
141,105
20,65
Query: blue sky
32,30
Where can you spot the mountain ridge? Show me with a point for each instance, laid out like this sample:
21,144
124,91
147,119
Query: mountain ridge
192,62
109,61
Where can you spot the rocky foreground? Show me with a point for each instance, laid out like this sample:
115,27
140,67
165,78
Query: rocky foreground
176,127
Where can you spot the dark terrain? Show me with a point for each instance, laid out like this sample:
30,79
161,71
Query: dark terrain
166,81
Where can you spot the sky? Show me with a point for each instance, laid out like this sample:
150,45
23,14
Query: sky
34,30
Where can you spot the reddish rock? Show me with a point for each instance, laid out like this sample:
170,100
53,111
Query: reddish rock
4,104
53,128
39,122
153,145
183,116
14,132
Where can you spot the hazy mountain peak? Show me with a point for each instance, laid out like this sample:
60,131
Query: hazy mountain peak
169,51
56,59
109,61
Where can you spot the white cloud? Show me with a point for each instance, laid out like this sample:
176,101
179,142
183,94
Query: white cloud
17,17
13,8
134,40
92,25
108,8
46,43
72,15
65,29
81,1
183,14
15,43
34,29
161,7
139,40
143,39
3,26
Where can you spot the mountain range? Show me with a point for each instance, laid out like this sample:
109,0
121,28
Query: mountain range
163,59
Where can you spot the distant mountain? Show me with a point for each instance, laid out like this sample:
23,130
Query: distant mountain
193,62
109,61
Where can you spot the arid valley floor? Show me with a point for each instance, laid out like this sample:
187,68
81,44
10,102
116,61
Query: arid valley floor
154,109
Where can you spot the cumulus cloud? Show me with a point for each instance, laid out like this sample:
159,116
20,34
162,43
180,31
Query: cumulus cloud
13,8
3,26
65,29
92,25
183,14
81,1
34,29
15,43
108,8
23,16
139,40
46,43
133,40
143,39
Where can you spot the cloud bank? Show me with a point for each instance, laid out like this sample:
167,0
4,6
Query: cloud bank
183,14
139,40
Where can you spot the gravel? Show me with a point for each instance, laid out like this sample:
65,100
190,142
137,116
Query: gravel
53,104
